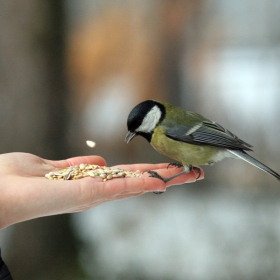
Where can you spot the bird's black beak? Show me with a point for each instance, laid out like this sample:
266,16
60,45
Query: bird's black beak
129,136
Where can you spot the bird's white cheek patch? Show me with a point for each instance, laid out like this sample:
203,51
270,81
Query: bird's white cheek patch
150,121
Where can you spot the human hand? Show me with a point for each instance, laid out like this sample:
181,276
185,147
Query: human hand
26,193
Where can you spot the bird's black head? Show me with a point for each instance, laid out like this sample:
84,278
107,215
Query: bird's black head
143,119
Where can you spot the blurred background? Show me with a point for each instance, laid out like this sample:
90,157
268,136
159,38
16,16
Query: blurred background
72,71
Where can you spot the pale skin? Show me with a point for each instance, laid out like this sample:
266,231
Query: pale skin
26,194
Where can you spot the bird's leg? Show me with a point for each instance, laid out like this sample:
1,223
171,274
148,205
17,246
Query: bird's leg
178,165
154,174
186,170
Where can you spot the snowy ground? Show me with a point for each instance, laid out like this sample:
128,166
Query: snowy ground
184,236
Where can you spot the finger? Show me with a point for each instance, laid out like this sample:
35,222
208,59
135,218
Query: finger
142,184
124,186
143,166
160,167
182,179
128,195
185,178
78,160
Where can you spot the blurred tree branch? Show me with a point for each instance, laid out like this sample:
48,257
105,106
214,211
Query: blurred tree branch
33,118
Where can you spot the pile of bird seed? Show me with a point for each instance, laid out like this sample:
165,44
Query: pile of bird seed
91,170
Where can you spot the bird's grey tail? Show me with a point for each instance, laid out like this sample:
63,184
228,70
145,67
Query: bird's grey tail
253,161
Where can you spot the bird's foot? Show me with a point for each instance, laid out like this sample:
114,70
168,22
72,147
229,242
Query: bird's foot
196,169
177,165
158,192
154,174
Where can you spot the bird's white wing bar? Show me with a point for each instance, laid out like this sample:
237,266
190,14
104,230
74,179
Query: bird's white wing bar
193,129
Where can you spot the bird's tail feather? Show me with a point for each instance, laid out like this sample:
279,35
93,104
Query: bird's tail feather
243,155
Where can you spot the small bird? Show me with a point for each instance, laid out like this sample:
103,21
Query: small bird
186,137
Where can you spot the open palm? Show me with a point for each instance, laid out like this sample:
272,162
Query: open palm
27,194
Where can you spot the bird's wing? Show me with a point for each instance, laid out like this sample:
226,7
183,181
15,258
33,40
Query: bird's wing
207,133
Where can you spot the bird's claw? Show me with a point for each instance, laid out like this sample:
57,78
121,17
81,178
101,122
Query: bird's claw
154,174
198,171
177,165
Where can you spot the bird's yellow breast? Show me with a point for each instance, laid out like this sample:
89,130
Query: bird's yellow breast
185,153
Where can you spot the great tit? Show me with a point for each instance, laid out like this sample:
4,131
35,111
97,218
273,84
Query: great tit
186,137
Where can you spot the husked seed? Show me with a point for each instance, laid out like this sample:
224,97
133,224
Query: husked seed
48,176
68,176
117,175
82,166
90,143
91,174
